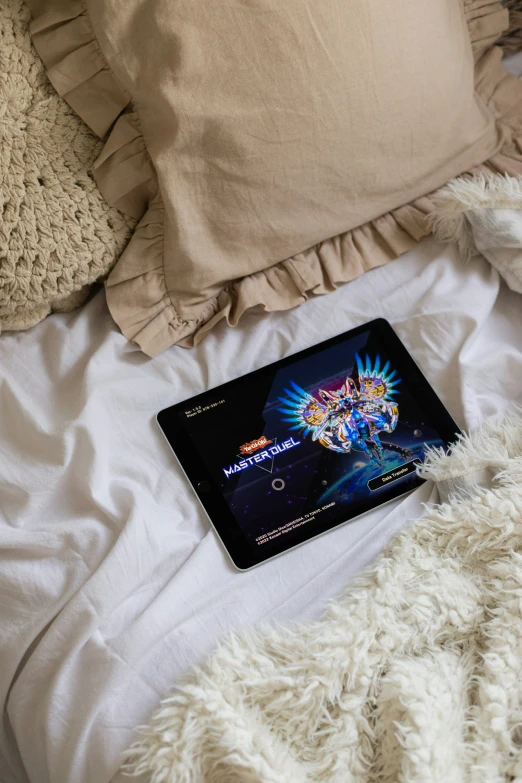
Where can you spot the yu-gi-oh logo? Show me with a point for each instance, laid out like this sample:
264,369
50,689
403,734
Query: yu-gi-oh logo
254,445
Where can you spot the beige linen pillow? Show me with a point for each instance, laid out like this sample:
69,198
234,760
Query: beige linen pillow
273,149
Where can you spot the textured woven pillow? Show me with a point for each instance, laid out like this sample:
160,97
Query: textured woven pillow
273,149
57,233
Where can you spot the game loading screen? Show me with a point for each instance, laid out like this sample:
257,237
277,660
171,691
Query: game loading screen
314,443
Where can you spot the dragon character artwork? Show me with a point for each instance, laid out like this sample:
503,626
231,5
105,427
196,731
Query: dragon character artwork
351,417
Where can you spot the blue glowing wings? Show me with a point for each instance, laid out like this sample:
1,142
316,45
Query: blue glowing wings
374,385
301,410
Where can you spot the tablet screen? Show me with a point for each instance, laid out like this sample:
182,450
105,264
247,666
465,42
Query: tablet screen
318,439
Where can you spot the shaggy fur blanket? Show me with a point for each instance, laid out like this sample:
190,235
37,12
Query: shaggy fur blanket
414,674
483,216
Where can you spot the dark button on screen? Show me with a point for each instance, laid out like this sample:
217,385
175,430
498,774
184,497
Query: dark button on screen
393,475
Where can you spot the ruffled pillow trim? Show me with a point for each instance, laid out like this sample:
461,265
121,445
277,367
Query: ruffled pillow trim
136,290
64,39
486,20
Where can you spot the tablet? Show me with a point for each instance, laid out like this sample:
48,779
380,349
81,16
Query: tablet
290,451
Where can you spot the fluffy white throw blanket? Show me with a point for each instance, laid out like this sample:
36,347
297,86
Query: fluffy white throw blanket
414,674
483,215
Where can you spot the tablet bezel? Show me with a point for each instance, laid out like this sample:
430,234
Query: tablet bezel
242,554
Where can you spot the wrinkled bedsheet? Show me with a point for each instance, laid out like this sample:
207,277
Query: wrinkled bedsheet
111,581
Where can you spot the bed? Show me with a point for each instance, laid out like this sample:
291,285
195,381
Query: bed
112,583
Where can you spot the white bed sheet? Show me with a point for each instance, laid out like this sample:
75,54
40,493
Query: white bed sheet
111,582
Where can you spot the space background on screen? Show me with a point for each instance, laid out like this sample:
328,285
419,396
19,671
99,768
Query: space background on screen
304,444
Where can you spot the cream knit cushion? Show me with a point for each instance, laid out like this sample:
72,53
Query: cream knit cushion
57,234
